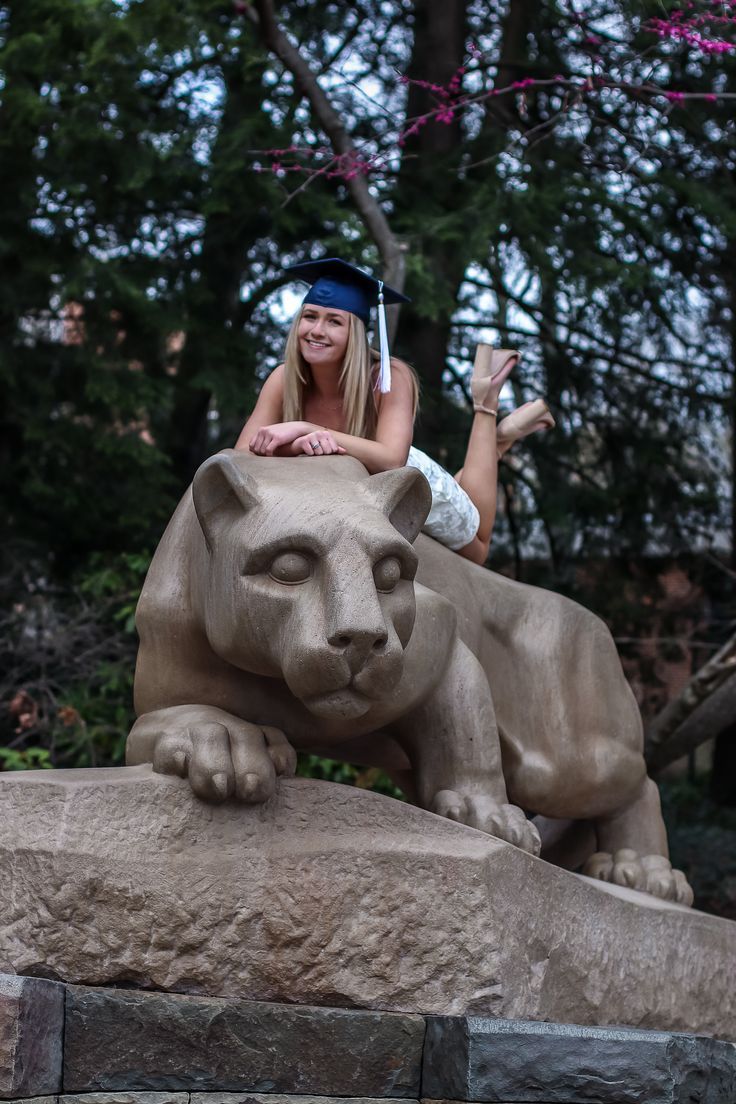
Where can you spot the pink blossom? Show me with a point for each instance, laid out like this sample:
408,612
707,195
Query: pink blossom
456,80
413,129
677,28
430,87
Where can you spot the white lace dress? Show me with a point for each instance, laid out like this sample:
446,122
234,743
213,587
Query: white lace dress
453,519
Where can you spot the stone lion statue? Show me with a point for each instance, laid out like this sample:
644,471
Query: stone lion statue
294,604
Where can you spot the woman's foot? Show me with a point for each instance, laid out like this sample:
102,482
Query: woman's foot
528,418
491,369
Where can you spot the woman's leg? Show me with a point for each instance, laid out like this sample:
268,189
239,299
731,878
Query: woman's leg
478,476
529,418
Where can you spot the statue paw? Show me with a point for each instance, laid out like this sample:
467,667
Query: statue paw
648,873
221,755
506,822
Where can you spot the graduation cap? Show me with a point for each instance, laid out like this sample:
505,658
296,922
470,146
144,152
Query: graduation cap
337,284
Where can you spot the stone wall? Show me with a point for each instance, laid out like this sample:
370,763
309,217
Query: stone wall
80,1045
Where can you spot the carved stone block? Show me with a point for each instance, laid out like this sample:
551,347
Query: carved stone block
476,1059
329,895
31,1030
154,1041
276,1098
122,1097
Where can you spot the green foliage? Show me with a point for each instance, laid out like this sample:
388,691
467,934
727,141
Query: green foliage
32,758
598,232
128,232
331,770
68,655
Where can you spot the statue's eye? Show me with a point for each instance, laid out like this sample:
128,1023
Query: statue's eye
290,567
387,573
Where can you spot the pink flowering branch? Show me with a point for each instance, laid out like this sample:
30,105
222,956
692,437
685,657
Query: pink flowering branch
685,28
688,28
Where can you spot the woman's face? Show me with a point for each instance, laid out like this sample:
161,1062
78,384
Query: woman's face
323,335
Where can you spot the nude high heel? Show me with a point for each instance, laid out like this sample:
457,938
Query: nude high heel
491,368
528,418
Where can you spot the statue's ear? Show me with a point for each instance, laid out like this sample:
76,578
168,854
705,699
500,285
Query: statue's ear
221,493
404,495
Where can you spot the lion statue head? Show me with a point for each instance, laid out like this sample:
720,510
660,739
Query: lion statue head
312,583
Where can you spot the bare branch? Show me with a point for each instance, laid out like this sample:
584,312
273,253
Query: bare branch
392,252
713,716
667,724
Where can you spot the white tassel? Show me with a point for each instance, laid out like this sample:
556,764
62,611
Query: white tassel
384,376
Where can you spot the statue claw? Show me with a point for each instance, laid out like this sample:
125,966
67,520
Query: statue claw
648,873
220,754
502,820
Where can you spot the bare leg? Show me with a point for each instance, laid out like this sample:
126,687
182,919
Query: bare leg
478,476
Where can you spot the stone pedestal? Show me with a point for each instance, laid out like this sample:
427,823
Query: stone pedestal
134,1047
334,896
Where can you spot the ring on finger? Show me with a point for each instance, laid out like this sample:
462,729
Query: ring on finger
315,446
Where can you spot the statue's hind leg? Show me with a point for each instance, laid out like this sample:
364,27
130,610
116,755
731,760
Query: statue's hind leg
632,849
451,741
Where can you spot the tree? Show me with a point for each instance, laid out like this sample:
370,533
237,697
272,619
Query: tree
558,181
129,236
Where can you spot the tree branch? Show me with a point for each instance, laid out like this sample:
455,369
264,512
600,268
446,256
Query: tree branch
391,251
664,738
713,716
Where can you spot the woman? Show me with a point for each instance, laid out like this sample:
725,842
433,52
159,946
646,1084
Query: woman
334,395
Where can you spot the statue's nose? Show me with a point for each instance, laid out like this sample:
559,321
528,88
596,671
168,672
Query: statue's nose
361,641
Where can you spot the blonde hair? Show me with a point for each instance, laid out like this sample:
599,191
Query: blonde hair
357,380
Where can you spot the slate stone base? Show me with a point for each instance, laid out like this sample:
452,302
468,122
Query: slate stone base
470,1058
81,1045
31,1033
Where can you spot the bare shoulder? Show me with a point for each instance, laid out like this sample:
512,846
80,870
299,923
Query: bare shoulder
274,382
403,375
401,368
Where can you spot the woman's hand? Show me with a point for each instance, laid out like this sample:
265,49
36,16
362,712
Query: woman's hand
319,442
270,438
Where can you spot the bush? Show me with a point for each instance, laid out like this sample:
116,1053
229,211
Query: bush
67,655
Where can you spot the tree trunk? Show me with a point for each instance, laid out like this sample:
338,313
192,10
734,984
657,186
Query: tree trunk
431,173
214,298
429,176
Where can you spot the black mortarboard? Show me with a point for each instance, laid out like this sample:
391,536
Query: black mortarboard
337,284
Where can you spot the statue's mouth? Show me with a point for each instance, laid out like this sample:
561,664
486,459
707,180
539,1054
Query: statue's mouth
346,702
